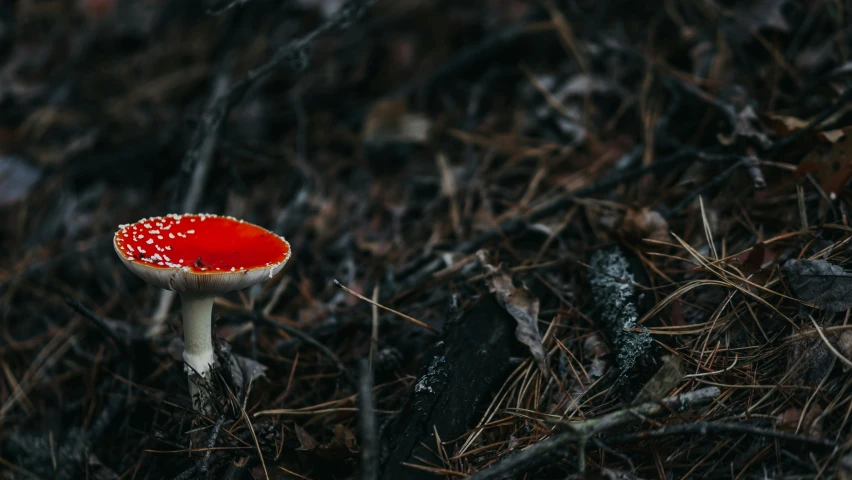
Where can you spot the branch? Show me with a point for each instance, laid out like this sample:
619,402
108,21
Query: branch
704,428
296,54
581,432
367,423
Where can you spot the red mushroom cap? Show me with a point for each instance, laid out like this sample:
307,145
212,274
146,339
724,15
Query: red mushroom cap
200,253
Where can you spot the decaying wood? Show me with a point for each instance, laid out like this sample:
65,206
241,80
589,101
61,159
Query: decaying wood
469,361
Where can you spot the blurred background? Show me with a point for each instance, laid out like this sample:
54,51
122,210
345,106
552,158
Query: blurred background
389,141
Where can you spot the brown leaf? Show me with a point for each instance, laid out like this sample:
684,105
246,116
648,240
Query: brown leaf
307,443
783,125
521,304
811,423
811,142
390,121
666,378
640,223
342,445
831,162
752,260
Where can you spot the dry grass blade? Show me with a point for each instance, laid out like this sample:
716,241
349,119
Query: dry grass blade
399,314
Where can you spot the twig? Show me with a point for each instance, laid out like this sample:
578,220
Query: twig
226,7
367,420
203,464
581,432
197,159
704,428
296,54
752,164
196,162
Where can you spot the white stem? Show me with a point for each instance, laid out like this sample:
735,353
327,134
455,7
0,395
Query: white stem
198,341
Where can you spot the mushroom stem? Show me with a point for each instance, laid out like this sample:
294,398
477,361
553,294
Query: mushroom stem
198,341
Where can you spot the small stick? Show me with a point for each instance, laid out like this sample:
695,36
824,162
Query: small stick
410,319
367,420
203,464
753,165
582,432
374,336
705,428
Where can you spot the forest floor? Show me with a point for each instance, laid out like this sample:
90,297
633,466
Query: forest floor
609,239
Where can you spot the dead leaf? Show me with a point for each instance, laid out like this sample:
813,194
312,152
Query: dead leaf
521,304
831,161
811,424
783,125
244,370
307,443
342,445
810,360
597,350
827,155
747,130
754,260
17,178
666,378
820,283
641,223
811,143
390,121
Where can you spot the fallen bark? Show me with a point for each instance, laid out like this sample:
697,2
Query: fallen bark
461,369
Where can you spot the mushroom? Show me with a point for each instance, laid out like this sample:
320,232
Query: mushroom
199,256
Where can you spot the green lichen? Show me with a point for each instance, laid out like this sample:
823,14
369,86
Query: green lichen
613,287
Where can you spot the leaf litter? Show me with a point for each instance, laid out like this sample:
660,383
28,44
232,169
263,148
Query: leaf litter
389,146
521,304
